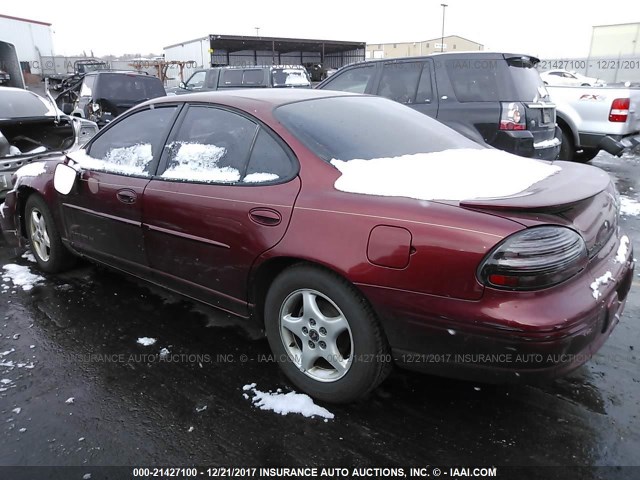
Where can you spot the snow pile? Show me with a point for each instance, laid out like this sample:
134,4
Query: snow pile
32,170
132,160
21,276
603,280
29,257
628,206
285,403
460,174
623,249
146,341
260,177
195,161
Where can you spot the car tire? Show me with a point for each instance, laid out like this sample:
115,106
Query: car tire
567,149
586,155
324,335
44,237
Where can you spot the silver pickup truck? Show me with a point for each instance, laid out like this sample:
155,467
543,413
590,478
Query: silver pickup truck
596,118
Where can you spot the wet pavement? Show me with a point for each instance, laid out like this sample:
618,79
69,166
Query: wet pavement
75,336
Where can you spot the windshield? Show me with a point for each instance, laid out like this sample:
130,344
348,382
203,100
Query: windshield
290,77
127,87
17,103
362,127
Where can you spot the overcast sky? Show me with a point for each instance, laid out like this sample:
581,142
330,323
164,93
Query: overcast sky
547,28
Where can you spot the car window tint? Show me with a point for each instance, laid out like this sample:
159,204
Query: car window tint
197,80
425,90
481,81
130,146
399,81
212,145
253,77
231,77
354,80
127,87
268,162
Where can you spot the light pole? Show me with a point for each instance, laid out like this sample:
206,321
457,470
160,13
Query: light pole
444,6
258,31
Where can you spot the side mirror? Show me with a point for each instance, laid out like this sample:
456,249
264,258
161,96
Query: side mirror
64,179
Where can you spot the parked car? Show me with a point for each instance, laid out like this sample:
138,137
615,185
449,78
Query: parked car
566,78
103,95
360,232
218,78
32,129
597,118
492,98
4,77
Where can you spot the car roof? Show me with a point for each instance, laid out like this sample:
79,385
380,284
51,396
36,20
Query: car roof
461,54
273,96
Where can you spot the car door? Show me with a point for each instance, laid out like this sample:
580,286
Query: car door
357,79
224,195
410,83
103,217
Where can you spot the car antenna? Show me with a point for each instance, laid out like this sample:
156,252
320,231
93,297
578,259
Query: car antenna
51,100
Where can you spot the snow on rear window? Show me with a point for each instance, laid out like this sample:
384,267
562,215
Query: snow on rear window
132,160
199,162
459,174
260,177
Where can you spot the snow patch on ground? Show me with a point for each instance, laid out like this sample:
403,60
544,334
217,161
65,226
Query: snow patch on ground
285,403
629,206
29,257
461,174
603,280
623,249
69,400
21,276
146,341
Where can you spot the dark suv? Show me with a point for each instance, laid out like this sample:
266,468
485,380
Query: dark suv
101,96
493,98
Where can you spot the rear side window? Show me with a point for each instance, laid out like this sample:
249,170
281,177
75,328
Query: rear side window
269,161
243,78
354,80
399,81
212,145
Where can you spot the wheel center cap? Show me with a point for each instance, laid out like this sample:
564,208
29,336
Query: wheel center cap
313,335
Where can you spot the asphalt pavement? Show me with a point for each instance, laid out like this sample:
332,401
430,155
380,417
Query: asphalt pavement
78,389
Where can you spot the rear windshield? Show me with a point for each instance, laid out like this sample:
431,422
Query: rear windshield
290,77
16,103
492,80
129,87
362,127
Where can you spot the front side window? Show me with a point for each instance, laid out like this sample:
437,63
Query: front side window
196,81
212,145
354,80
130,146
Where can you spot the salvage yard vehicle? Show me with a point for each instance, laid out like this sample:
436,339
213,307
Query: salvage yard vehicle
62,81
103,95
598,118
359,231
32,129
570,79
492,98
4,77
219,78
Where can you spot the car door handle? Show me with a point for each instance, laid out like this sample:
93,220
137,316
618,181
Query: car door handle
265,216
127,196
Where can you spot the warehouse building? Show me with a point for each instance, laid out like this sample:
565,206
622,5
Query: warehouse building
32,40
220,50
621,40
450,43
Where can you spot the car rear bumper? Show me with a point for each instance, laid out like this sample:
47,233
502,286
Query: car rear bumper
521,142
506,336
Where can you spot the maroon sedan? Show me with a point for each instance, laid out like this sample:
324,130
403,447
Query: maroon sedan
360,232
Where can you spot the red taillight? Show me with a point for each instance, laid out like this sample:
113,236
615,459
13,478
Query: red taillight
512,117
619,110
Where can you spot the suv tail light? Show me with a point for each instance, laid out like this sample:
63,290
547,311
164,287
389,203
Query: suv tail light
512,116
534,258
619,110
